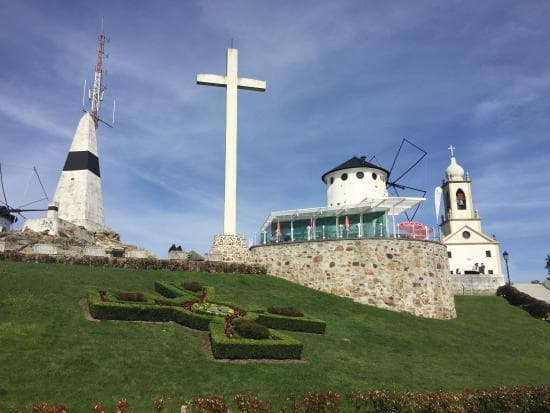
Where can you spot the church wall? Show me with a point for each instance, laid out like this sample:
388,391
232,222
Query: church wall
394,274
464,256
476,284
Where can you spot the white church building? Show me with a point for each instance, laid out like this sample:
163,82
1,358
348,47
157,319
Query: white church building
474,257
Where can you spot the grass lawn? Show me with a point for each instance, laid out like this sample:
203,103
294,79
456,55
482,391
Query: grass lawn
48,351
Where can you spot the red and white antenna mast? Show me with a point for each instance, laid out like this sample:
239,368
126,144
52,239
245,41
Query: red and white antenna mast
96,94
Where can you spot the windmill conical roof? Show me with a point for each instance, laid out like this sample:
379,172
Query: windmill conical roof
354,162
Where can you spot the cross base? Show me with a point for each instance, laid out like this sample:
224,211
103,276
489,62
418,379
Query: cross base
228,248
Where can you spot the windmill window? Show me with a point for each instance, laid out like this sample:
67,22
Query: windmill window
360,175
460,199
344,177
331,180
487,253
374,176
449,254
491,272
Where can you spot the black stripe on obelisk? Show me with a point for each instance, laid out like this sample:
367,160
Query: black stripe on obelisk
82,161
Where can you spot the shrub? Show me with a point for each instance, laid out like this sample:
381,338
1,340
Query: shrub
194,286
283,347
126,296
251,403
286,311
251,329
322,402
537,308
216,404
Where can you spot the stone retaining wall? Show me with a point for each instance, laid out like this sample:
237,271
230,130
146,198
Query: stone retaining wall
394,274
476,284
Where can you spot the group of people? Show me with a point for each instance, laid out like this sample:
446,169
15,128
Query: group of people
478,268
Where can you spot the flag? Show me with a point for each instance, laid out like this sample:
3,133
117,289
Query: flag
278,229
347,223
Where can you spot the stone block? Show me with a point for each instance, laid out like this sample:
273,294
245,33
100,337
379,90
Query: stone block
2,246
95,252
45,249
178,255
136,254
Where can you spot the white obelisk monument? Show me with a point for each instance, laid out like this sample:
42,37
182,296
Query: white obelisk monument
224,245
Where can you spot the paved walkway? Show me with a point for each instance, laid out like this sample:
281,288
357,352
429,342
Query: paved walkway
538,291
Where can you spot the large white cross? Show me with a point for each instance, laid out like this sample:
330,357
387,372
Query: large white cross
231,82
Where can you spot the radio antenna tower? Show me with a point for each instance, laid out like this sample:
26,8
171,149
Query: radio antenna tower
95,95
97,92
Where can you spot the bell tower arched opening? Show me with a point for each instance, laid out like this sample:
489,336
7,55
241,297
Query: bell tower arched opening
460,199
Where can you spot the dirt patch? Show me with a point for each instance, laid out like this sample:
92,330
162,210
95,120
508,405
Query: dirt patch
205,338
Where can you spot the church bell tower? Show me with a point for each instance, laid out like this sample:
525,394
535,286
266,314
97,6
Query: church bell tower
469,250
457,198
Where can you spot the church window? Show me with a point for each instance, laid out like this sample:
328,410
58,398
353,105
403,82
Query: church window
374,176
331,180
487,253
344,177
460,199
466,234
449,254
360,175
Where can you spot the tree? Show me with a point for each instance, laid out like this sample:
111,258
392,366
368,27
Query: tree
547,266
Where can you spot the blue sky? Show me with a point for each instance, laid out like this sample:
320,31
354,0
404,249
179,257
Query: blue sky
344,78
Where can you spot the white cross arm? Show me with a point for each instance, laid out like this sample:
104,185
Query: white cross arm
211,80
252,84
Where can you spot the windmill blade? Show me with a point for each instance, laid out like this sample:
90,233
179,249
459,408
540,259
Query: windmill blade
32,203
403,187
3,189
41,185
424,153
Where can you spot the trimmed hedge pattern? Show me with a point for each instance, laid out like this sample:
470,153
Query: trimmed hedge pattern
168,308
140,312
284,347
305,324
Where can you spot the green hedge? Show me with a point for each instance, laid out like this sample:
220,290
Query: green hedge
170,290
139,312
241,348
536,308
305,324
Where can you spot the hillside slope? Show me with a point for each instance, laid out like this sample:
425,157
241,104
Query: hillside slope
50,352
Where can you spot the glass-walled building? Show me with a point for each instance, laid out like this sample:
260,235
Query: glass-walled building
358,206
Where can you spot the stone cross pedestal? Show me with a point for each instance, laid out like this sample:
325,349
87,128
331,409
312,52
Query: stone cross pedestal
228,248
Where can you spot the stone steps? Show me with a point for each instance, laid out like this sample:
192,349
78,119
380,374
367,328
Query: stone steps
537,291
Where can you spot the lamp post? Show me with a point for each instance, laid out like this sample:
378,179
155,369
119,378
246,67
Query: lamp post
506,257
